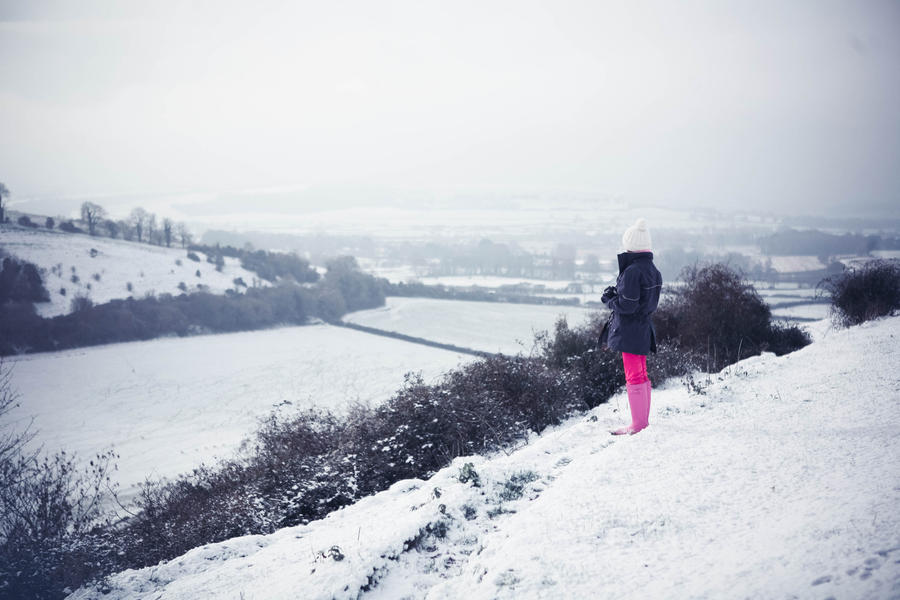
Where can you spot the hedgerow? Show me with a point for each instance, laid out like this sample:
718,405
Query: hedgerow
343,288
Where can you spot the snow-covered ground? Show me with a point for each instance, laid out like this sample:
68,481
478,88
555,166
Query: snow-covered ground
169,404
104,275
781,481
804,311
486,326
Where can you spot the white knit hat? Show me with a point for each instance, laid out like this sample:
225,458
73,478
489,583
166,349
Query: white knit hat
636,237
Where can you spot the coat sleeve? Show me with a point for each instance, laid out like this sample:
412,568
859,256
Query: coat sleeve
629,293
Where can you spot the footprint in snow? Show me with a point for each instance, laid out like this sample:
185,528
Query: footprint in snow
868,566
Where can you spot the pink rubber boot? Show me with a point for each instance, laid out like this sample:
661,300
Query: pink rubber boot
639,403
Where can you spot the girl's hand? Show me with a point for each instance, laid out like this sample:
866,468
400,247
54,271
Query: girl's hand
608,294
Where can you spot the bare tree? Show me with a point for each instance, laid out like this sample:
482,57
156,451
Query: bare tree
112,227
184,235
92,214
151,227
12,441
138,219
127,230
4,193
168,225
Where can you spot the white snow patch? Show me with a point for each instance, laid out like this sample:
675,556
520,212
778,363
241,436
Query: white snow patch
486,326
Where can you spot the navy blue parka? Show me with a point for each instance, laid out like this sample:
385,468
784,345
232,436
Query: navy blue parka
630,328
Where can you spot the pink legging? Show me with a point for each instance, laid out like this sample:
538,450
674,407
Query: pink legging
635,368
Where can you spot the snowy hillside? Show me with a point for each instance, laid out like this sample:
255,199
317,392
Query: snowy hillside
781,481
103,275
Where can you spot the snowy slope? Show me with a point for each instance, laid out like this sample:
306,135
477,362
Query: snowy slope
486,326
782,481
167,405
115,264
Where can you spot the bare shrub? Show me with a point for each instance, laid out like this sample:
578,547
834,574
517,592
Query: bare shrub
47,504
720,317
865,292
20,281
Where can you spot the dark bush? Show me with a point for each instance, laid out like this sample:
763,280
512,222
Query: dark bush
785,338
597,374
81,303
69,227
210,504
21,281
864,292
299,467
715,314
484,405
24,221
358,290
193,256
48,507
267,265
49,223
46,511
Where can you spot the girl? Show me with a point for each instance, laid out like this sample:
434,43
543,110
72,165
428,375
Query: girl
630,329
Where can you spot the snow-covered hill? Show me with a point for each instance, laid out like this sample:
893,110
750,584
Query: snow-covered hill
102,268
781,481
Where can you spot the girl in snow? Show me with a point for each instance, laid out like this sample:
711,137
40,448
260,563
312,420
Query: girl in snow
630,328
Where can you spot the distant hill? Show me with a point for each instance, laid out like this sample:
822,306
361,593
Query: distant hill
104,269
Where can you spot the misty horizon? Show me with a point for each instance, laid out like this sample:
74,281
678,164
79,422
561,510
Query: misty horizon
763,107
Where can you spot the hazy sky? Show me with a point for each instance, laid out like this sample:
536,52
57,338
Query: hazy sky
763,104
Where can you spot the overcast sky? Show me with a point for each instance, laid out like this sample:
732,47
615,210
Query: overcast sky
763,104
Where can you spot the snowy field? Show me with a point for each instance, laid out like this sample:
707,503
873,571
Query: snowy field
804,311
486,326
104,276
167,405
782,481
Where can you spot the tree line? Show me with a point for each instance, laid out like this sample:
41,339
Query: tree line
141,225
343,289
